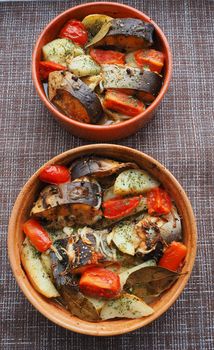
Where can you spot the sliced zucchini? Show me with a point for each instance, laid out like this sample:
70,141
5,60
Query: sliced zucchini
74,98
134,181
61,51
83,66
125,237
126,306
37,275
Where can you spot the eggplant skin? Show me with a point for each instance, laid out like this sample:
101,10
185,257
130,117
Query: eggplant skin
129,34
73,97
70,106
152,82
76,192
76,202
120,77
98,167
79,214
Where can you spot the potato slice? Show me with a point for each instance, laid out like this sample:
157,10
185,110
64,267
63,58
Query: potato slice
83,66
61,51
127,306
125,237
134,181
36,273
46,263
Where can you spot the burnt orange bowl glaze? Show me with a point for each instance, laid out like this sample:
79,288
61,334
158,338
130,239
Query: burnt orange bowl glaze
59,315
89,131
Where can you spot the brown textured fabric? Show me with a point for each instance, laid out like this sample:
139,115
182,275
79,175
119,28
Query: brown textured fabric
180,136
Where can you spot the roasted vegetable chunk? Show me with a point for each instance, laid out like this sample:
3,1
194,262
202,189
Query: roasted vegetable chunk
129,34
98,167
120,77
79,199
36,273
127,305
134,181
61,51
73,97
83,66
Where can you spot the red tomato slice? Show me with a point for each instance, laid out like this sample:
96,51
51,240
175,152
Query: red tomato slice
107,56
149,57
46,67
114,209
54,174
122,103
98,281
173,256
75,31
37,234
158,202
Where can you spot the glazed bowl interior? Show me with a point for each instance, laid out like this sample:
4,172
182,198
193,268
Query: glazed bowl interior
59,315
114,10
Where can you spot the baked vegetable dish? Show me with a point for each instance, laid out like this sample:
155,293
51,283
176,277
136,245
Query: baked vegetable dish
104,239
102,70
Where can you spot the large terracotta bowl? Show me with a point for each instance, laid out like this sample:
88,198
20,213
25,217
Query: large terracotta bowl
89,131
20,214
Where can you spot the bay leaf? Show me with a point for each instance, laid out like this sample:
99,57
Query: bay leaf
100,35
149,282
79,305
125,274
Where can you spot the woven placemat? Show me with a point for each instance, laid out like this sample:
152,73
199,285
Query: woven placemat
180,136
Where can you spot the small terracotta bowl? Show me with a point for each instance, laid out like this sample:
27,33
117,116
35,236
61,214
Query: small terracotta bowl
89,131
59,315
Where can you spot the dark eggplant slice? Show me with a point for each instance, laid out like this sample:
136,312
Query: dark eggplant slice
128,34
120,77
73,97
78,200
98,167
